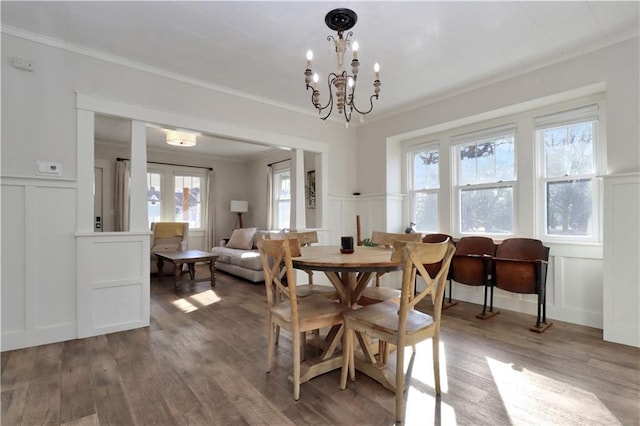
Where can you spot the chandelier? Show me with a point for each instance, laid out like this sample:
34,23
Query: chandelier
341,84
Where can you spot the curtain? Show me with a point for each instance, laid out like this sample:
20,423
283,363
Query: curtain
122,196
209,215
270,197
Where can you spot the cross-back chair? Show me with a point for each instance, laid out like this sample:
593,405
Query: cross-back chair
472,265
403,325
305,239
286,310
435,268
520,266
377,293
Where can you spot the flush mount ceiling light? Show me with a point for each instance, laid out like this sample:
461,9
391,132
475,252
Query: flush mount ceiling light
181,138
341,82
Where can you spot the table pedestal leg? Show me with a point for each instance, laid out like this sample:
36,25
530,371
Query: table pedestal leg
212,269
160,264
177,272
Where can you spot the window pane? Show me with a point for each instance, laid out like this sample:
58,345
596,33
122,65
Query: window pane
569,207
153,198
187,199
487,161
425,170
569,150
488,211
425,213
281,199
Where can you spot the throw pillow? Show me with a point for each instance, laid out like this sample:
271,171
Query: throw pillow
242,238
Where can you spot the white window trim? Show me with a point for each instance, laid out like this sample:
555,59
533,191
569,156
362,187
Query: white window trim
593,112
276,169
456,189
431,145
167,190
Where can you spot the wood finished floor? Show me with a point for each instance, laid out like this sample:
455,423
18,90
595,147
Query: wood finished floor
202,362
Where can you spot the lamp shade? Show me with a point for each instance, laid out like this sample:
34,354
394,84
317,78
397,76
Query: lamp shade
238,206
181,139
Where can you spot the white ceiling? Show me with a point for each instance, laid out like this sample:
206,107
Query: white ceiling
257,49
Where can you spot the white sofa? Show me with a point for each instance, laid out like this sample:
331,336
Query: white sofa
239,255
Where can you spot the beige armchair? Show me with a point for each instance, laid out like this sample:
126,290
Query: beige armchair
168,236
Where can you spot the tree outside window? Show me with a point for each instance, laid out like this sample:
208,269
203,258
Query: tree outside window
569,170
486,177
423,188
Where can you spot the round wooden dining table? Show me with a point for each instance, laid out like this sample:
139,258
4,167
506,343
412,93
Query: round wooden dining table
349,273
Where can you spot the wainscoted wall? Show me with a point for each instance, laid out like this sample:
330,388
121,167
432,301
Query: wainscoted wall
574,280
38,261
113,282
621,292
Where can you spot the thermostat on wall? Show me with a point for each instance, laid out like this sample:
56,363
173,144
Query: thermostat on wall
48,168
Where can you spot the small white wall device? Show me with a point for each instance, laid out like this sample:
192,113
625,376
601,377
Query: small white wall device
48,168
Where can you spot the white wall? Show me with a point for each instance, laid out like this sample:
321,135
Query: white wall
230,183
575,283
39,122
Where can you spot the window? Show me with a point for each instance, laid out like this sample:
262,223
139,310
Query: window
174,195
281,198
154,194
567,143
187,200
424,184
485,181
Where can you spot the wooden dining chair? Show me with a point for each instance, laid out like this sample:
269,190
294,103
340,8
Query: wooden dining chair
404,325
377,293
435,268
305,239
286,310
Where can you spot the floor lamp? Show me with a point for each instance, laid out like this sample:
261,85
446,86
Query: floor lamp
239,207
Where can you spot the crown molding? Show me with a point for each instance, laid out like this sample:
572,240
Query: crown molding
509,74
96,54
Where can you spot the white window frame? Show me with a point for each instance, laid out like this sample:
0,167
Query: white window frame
567,117
457,142
411,150
203,187
279,168
167,190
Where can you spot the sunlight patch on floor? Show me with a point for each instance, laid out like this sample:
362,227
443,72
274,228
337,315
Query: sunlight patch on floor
206,298
422,405
184,305
200,300
521,388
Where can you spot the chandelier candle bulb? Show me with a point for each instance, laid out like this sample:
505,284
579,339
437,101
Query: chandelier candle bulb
355,48
309,58
376,69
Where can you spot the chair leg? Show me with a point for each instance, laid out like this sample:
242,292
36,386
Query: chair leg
272,339
400,383
296,365
277,335
436,362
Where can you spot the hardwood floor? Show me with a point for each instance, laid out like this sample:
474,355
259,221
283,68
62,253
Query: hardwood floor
202,362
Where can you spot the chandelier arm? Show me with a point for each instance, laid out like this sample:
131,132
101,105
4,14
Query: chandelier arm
370,106
330,79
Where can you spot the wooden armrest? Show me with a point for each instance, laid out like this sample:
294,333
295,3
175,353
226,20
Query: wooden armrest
544,262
